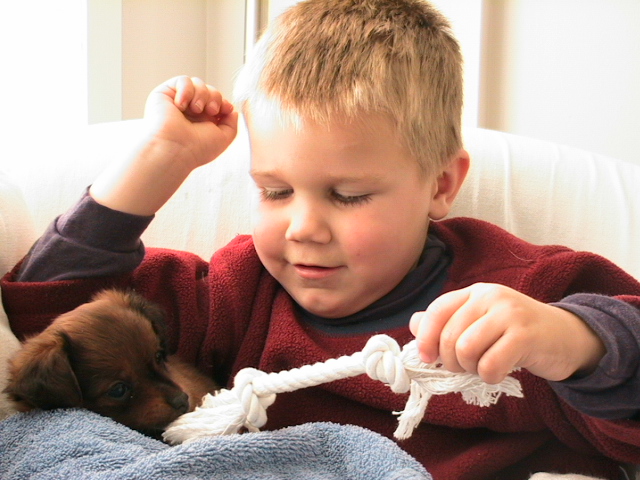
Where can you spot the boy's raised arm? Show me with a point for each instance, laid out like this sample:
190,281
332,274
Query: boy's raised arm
189,124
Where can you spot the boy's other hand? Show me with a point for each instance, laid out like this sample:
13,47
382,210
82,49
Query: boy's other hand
491,329
192,117
189,125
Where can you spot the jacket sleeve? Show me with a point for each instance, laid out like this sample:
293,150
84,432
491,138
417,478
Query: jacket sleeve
89,240
600,408
612,391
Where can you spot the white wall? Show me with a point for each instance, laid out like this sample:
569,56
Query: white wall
466,21
43,51
136,44
104,60
225,42
566,71
160,39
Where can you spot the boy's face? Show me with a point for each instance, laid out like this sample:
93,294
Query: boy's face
343,212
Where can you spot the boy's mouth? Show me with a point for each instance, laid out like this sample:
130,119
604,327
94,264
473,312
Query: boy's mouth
314,272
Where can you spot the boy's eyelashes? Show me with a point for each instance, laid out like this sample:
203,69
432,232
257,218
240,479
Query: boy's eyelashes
272,195
350,199
282,194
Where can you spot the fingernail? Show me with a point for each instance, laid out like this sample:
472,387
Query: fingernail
426,358
213,107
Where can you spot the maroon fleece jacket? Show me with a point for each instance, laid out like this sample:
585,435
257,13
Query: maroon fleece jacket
230,314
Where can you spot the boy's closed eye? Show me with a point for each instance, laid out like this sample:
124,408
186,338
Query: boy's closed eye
350,199
267,194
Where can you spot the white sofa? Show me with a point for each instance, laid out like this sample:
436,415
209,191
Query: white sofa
543,192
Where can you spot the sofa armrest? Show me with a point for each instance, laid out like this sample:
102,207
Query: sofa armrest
548,193
16,236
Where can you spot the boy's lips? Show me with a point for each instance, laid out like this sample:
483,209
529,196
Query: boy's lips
314,272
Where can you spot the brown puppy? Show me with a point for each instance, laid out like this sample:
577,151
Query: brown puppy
107,356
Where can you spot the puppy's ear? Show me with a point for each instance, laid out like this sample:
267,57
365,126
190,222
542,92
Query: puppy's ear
41,375
151,311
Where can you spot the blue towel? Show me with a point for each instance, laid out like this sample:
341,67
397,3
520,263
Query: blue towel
77,444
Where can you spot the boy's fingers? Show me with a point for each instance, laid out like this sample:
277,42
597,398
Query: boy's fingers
499,360
206,99
480,347
428,326
207,103
214,102
424,332
218,106
184,89
198,100
463,310
414,322
227,107
229,121
212,108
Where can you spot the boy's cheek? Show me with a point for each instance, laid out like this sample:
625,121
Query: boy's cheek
268,240
266,224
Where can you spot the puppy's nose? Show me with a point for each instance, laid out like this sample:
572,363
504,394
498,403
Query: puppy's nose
180,402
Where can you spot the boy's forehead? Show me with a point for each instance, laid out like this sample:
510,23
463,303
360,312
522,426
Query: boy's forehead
363,147
263,112
340,152
271,139
268,118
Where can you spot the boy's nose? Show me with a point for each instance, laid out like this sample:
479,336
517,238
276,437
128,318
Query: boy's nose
307,224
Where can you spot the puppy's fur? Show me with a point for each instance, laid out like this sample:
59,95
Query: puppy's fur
107,356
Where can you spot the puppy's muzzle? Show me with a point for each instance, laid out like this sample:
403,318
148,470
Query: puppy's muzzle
180,402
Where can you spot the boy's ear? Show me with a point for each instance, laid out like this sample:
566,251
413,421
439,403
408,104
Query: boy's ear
448,185
41,375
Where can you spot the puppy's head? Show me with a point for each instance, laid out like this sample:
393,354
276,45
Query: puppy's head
107,356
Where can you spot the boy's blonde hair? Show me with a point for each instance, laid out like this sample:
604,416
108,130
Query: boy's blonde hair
328,59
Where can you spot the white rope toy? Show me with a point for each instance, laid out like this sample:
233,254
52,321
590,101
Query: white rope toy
245,405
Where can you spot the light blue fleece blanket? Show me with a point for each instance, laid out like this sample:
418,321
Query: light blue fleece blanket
77,444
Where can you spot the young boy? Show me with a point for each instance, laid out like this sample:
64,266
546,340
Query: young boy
353,110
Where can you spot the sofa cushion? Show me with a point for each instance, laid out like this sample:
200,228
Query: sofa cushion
548,193
16,236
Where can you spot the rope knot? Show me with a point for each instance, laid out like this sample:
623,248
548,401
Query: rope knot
382,359
254,405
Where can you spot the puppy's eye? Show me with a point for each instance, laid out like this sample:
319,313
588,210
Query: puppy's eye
119,391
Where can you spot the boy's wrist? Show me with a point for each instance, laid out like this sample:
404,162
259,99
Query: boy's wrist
145,182
613,322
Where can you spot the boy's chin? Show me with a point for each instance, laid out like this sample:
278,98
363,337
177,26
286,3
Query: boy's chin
326,309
